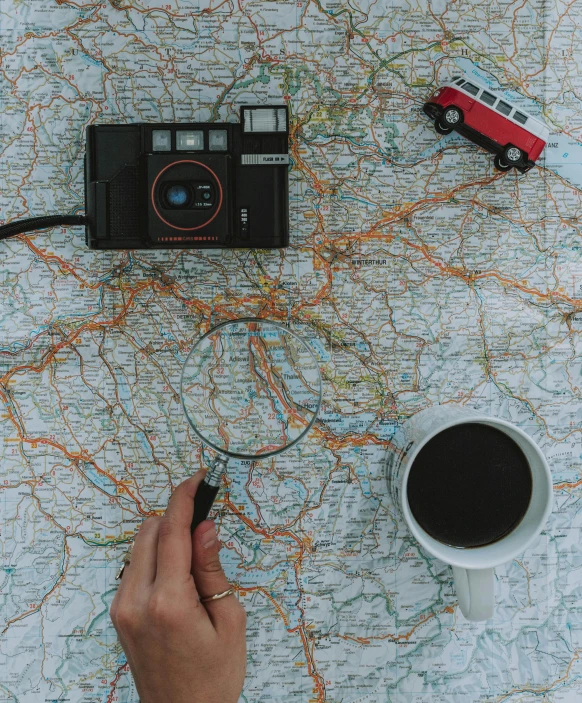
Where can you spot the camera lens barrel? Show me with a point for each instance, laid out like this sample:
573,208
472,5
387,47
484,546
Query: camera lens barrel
182,195
177,195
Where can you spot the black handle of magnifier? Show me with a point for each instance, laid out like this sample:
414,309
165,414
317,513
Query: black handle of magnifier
207,490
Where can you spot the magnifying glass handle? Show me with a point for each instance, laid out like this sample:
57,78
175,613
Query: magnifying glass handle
207,491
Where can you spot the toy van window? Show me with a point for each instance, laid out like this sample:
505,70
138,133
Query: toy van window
520,117
460,81
488,98
503,108
470,88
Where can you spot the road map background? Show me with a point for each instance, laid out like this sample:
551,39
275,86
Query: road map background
420,274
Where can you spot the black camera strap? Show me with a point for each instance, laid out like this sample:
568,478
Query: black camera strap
35,223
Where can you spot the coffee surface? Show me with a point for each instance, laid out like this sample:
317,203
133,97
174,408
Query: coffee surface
469,486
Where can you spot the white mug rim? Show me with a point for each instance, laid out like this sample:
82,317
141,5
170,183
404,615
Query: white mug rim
449,552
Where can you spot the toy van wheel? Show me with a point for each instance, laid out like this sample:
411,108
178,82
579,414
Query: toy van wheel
512,155
441,129
500,164
452,117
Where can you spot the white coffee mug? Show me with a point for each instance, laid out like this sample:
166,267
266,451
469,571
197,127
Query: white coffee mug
473,567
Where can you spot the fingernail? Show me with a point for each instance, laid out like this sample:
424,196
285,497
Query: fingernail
209,539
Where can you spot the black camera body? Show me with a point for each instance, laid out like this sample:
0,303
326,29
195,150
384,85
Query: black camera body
195,185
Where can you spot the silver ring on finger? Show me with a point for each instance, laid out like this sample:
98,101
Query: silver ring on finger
218,596
126,559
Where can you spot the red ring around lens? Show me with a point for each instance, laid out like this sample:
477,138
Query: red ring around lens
187,161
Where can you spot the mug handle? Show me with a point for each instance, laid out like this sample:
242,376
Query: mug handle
475,592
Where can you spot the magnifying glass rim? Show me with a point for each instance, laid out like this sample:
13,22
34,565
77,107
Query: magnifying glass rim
238,455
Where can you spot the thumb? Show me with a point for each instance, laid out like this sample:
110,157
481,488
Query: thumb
208,574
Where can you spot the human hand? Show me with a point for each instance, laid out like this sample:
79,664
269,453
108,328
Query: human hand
178,649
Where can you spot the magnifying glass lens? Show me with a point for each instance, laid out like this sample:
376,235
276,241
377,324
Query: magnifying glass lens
251,388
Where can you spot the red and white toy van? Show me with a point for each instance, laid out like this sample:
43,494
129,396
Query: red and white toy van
484,117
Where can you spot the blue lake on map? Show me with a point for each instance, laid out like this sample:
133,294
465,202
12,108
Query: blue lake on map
104,483
563,156
123,391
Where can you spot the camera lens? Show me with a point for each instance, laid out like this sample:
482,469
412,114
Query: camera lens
177,195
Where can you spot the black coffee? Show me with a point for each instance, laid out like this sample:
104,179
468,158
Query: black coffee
470,485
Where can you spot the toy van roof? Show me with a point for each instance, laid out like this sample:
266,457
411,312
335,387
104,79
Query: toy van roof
535,124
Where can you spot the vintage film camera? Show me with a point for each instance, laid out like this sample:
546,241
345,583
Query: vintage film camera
197,185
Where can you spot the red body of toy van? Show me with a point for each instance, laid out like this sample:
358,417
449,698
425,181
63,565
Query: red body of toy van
484,117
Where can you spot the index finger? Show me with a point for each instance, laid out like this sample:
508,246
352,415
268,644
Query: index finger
174,536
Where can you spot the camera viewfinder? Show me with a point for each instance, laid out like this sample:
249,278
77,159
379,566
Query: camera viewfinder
190,140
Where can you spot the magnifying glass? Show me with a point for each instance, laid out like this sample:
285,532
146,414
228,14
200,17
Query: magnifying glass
250,389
